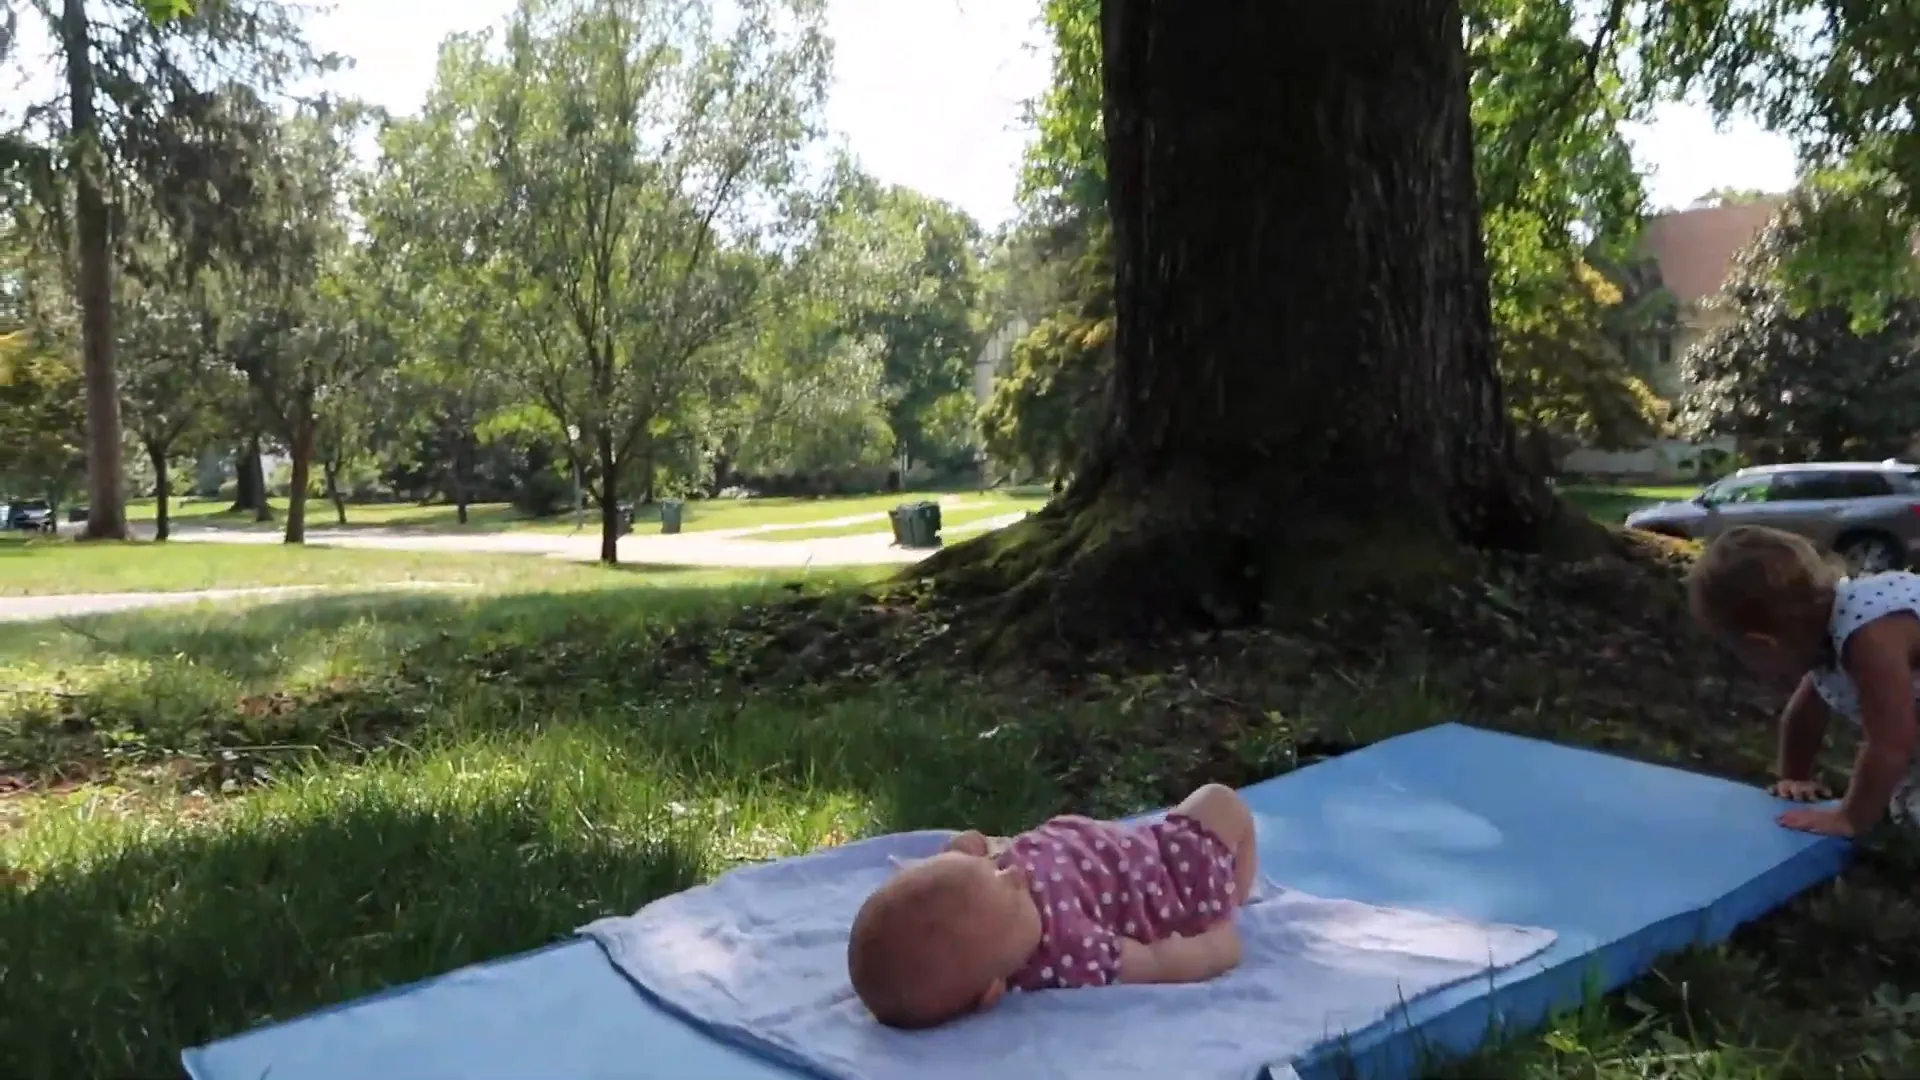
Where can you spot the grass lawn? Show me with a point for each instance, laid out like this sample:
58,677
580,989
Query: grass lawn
212,819
1612,504
699,515
62,567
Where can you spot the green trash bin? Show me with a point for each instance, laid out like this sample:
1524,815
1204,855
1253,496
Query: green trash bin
917,525
670,515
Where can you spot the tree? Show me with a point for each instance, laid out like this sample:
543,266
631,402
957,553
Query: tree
137,102
1840,79
912,283
1304,361
430,201
1797,384
1046,407
640,159
805,393
307,331
166,349
1562,212
42,440
340,441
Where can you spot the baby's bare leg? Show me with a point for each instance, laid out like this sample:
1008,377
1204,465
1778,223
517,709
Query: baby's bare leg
1221,809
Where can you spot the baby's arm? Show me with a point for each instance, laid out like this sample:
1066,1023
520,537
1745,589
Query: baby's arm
1182,959
1803,727
1879,657
973,842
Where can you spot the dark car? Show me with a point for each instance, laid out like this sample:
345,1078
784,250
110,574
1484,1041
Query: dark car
33,515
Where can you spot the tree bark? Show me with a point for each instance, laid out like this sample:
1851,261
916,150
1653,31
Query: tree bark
331,472
1304,364
301,450
609,500
457,476
106,510
162,493
250,482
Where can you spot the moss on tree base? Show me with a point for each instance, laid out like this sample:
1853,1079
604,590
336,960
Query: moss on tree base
1110,569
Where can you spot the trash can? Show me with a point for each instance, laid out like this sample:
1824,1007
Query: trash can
917,525
670,515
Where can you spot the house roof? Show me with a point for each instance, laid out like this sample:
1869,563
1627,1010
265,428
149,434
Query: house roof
1696,248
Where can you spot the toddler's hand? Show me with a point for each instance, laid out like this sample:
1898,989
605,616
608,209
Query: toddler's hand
1800,790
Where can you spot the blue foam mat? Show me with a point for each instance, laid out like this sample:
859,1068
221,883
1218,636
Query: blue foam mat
1626,861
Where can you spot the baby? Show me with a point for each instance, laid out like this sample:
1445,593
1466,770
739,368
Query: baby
1849,646
1073,903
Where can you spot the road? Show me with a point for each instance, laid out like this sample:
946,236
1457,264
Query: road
719,548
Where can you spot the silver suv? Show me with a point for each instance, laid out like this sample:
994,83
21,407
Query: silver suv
1866,512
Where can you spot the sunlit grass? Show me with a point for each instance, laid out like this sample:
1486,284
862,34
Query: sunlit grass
43,567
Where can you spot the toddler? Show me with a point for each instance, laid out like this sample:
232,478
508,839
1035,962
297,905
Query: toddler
1073,903
1849,646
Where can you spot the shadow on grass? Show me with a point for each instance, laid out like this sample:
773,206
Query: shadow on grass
115,963
212,696
501,819
16,544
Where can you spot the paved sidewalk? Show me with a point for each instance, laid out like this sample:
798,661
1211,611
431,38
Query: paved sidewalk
716,549
707,550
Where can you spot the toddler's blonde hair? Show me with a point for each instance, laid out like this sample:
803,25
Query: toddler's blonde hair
1756,580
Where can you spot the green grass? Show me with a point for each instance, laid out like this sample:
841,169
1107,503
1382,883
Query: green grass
213,819
263,811
62,567
1612,503
699,515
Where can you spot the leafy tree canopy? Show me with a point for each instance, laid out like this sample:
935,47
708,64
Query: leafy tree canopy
1792,382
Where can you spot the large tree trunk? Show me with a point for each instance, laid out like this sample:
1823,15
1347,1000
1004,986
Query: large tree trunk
162,493
250,482
301,449
1304,390
106,510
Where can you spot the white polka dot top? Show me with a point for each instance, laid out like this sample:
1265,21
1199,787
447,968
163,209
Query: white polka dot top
1857,602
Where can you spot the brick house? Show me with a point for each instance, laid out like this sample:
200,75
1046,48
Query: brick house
1695,251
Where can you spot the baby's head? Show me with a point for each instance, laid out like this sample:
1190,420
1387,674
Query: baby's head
940,939
1769,596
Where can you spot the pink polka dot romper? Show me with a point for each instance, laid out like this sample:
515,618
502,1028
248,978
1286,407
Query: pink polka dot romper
1096,882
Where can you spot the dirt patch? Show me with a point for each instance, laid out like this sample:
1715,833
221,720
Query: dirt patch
1599,652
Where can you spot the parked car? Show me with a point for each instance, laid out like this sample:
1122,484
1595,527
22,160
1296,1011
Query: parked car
30,514
1866,512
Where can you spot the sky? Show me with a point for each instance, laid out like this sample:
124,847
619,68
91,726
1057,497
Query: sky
928,94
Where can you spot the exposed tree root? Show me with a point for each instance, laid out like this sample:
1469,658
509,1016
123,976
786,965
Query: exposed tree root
1111,570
